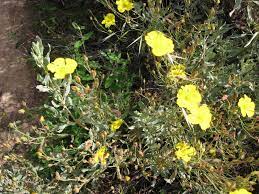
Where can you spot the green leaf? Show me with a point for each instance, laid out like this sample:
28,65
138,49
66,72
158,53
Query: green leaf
76,26
87,36
78,44
108,82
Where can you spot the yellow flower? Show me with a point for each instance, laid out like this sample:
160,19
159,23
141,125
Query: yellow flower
217,1
175,72
213,151
201,115
184,151
109,20
62,67
127,178
116,125
188,97
211,27
101,156
160,44
240,191
247,106
42,119
39,154
21,111
124,5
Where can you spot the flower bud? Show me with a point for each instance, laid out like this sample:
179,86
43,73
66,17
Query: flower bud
96,83
78,79
141,153
93,73
39,154
75,88
76,189
85,58
103,134
57,176
88,144
87,89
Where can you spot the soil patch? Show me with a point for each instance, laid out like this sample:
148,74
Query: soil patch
17,78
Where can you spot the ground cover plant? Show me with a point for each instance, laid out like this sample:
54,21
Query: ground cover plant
152,97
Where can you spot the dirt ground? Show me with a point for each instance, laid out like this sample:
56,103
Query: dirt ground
17,79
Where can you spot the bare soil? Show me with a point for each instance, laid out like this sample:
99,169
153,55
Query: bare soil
17,78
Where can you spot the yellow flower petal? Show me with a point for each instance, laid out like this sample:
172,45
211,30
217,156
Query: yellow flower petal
21,111
240,191
59,62
201,115
188,97
51,67
60,73
116,125
71,65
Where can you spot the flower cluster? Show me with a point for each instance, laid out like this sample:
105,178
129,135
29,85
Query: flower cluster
101,156
160,44
184,151
175,72
109,20
189,97
62,67
122,6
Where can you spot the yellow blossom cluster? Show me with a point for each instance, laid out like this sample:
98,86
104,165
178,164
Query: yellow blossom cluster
116,125
190,98
122,6
109,20
62,67
160,44
175,72
184,151
101,156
